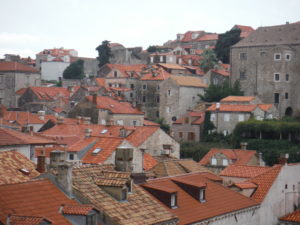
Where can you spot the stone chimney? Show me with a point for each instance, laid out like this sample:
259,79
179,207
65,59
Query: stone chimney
95,99
244,145
283,158
60,120
64,177
41,115
86,120
41,163
87,132
78,119
31,130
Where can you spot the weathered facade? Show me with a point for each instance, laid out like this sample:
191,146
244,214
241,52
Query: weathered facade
267,65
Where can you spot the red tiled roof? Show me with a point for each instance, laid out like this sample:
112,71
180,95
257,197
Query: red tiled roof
198,120
264,182
82,210
238,99
243,171
159,74
233,108
100,82
265,107
222,72
150,123
50,93
188,35
245,30
56,52
245,185
11,163
81,144
292,217
23,118
26,220
149,161
171,66
116,107
16,67
239,156
127,70
12,137
140,135
209,37
189,81
38,198
219,199
107,145
21,91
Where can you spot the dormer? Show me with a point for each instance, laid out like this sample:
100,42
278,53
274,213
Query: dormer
166,195
195,189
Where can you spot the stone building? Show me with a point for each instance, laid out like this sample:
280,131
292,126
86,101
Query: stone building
179,94
218,75
267,65
15,76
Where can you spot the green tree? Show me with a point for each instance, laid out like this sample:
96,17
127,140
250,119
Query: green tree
165,127
215,92
151,48
104,53
208,61
74,70
225,41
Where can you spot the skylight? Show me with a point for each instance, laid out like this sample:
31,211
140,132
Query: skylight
103,131
96,151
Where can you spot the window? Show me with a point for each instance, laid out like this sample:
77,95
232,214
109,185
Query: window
287,77
263,53
180,134
286,186
71,156
225,162
243,56
173,200
110,85
1,78
161,58
186,120
151,59
191,136
213,161
115,74
157,99
202,195
277,76
276,98
131,95
277,56
134,122
157,114
286,95
212,117
103,122
157,87
169,92
91,219
242,75
288,57
144,98
168,109
145,86
132,86
226,117
241,117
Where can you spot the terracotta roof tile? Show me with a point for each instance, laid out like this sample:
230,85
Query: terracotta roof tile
150,123
292,217
239,156
245,185
233,108
21,91
171,66
116,107
126,71
76,209
265,107
16,67
11,163
264,182
50,93
107,145
38,198
26,220
219,199
189,81
100,82
159,74
222,72
139,209
209,37
12,137
188,35
46,150
140,135
238,99
23,118
149,161
243,171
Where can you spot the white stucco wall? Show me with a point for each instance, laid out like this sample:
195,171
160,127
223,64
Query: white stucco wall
280,200
53,70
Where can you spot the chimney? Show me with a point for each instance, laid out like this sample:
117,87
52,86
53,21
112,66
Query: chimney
41,163
87,120
95,99
87,132
64,177
8,219
31,130
110,123
283,158
260,159
244,145
61,207
60,120
78,119
41,115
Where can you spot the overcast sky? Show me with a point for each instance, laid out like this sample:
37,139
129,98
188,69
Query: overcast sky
29,26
